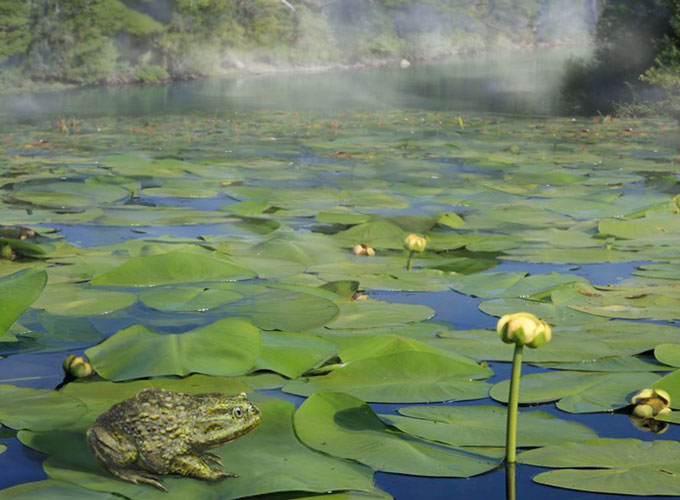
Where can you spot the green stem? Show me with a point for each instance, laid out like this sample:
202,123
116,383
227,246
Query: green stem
408,262
511,430
510,489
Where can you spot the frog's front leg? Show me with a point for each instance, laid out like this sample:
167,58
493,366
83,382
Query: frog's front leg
198,467
117,453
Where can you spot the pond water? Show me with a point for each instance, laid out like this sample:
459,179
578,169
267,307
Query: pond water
306,161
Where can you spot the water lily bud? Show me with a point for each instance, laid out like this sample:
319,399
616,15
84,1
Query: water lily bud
415,243
6,252
361,250
77,366
651,402
524,329
675,203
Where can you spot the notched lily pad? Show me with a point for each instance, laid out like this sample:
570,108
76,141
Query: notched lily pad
343,426
228,347
617,466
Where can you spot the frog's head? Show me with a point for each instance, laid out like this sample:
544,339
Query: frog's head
221,418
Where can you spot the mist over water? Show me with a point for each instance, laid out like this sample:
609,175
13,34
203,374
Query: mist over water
522,84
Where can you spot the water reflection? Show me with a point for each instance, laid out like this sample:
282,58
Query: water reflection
516,83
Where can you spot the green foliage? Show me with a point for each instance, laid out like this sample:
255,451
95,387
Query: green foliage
14,34
633,38
115,41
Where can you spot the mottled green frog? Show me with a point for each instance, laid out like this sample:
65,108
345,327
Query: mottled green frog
164,432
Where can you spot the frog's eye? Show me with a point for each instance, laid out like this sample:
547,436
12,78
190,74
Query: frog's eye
238,413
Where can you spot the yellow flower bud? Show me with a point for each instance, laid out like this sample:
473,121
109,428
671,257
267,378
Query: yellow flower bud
77,367
524,329
415,243
361,250
6,252
651,402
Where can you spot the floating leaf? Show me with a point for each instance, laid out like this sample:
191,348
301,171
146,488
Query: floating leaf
173,267
26,408
618,466
73,300
374,313
229,346
671,384
18,292
585,343
485,426
69,195
577,392
287,310
343,426
269,459
190,298
50,489
668,354
292,354
402,377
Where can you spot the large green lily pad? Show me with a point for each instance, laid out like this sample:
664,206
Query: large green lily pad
227,347
485,426
18,292
375,313
269,459
73,300
172,267
341,425
617,466
292,354
50,489
401,377
668,354
26,408
577,392
580,343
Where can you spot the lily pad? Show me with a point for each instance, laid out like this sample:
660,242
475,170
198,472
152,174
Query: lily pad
69,195
50,489
671,384
617,466
190,298
485,426
228,347
269,459
172,267
375,313
583,343
402,377
577,392
343,426
18,292
668,354
26,408
73,300
287,310
292,354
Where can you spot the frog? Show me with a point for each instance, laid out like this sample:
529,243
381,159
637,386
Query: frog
158,432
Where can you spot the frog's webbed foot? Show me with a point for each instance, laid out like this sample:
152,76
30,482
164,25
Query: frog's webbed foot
199,467
138,477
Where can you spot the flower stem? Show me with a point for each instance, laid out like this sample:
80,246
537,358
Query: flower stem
408,262
510,486
511,430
